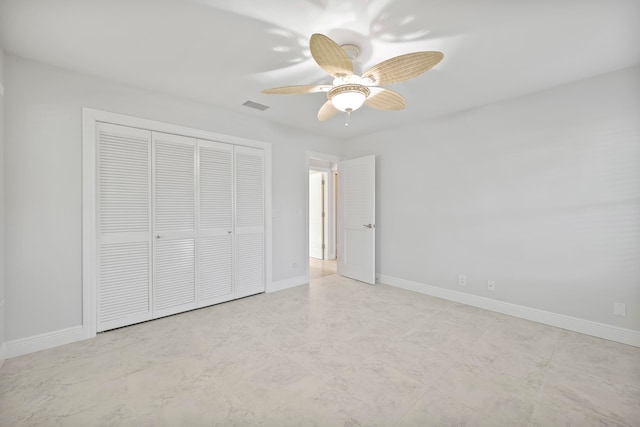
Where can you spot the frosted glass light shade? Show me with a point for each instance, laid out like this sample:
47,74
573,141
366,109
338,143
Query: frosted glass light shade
348,97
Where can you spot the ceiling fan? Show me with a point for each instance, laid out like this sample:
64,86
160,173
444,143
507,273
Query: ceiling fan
351,88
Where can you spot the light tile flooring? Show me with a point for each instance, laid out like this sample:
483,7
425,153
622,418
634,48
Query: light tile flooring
337,352
320,268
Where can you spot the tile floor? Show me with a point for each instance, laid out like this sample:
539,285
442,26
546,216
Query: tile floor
320,268
334,353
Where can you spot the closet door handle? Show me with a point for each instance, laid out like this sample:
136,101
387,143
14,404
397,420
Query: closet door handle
158,236
229,232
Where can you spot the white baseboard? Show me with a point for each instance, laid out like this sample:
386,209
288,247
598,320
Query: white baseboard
292,282
44,341
588,327
48,340
3,347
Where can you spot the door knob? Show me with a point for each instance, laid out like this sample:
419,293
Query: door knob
368,225
158,236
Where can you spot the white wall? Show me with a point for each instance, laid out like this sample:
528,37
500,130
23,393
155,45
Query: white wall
539,193
2,252
43,177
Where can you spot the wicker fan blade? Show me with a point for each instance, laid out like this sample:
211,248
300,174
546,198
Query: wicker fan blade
385,99
294,90
327,111
403,67
330,56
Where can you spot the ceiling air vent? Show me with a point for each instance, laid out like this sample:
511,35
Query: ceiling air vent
255,105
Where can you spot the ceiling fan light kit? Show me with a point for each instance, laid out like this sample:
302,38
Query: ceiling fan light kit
351,89
348,97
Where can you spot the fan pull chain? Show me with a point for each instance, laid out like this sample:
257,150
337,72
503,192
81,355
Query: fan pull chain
348,111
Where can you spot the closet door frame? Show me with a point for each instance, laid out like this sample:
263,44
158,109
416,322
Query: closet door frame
90,118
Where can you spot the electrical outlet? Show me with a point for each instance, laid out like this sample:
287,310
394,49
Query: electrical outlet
491,285
462,280
620,309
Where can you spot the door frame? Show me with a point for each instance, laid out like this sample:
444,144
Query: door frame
324,173
90,118
323,157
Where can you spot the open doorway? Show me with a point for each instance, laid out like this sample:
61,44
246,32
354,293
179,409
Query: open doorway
318,215
322,216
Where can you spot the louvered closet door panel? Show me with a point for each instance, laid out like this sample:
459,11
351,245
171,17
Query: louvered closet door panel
174,191
124,284
216,269
249,187
216,185
174,284
215,249
123,179
174,180
249,264
124,218
249,224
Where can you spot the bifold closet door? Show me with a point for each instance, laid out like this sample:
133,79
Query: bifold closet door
180,224
123,222
215,246
249,221
174,224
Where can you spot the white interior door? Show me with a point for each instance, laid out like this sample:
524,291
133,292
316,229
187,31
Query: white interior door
174,280
215,247
357,219
124,234
249,248
316,218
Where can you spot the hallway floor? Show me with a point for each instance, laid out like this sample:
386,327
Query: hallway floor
320,268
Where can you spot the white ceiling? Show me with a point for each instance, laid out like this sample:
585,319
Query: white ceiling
223,52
